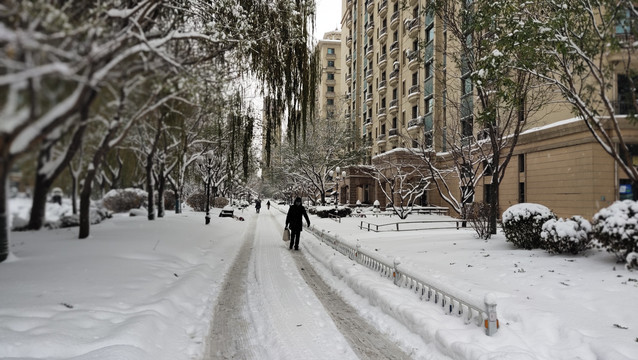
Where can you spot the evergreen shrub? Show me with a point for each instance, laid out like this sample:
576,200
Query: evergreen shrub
123,200
523,224
566,235
616,228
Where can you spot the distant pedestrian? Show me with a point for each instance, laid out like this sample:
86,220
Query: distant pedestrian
257,205
268,204
294,222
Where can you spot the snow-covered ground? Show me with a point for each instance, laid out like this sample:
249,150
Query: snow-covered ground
148,290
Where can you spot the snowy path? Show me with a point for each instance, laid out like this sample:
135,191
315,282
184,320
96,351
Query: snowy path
274,306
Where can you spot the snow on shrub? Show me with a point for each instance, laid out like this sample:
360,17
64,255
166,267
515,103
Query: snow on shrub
615,227
123,200
632,261
522,224
566,236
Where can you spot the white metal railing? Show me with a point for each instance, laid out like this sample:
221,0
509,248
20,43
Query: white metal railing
468,307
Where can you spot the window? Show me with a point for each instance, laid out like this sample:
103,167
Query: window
415,78
331,51
394,122
331,89
429,105
331,101
331,63
394,94
383,129
521,163
429,34
415,112
521,192
331,76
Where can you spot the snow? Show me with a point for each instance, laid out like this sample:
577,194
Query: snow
139,289
524,211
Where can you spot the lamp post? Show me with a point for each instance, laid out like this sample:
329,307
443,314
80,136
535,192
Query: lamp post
206,164
337,175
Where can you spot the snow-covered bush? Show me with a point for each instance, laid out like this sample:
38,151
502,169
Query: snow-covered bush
197,201
96,215
341,211
616,228
123,200
632,261
523,223
566,235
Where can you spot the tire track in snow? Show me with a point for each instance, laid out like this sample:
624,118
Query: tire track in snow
228,338
366,341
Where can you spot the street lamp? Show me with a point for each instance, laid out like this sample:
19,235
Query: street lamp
337,175
206,163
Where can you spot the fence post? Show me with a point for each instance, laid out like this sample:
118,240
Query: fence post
395,271
356,254
491,323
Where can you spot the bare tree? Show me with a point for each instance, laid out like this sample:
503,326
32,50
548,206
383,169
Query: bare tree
402,181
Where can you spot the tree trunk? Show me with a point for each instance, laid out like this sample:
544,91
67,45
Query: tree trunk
149,187
39,203
4,210
74,190
494,203
160,194
85,204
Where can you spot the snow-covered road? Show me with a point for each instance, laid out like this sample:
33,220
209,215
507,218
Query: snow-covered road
273,305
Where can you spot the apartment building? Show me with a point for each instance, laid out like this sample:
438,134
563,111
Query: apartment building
398,94
330,92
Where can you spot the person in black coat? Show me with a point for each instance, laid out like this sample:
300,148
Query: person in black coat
294,222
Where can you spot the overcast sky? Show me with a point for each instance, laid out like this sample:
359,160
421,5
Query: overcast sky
328,17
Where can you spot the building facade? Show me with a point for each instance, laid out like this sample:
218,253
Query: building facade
399,93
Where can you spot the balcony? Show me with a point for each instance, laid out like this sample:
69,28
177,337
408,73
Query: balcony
414,93
382,87
348,60
394,49
383,60
381,139
369,99
349,41
368,123
382,115
370,52
383,35
415,123
348,78
393,135
369,74
383,8
394,20
370,28
394,78
370,6
413,27
413,60
394,107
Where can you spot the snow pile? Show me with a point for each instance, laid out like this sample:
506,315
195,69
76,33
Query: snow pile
20,212
526,211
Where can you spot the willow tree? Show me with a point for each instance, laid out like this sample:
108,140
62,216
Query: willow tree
274,40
